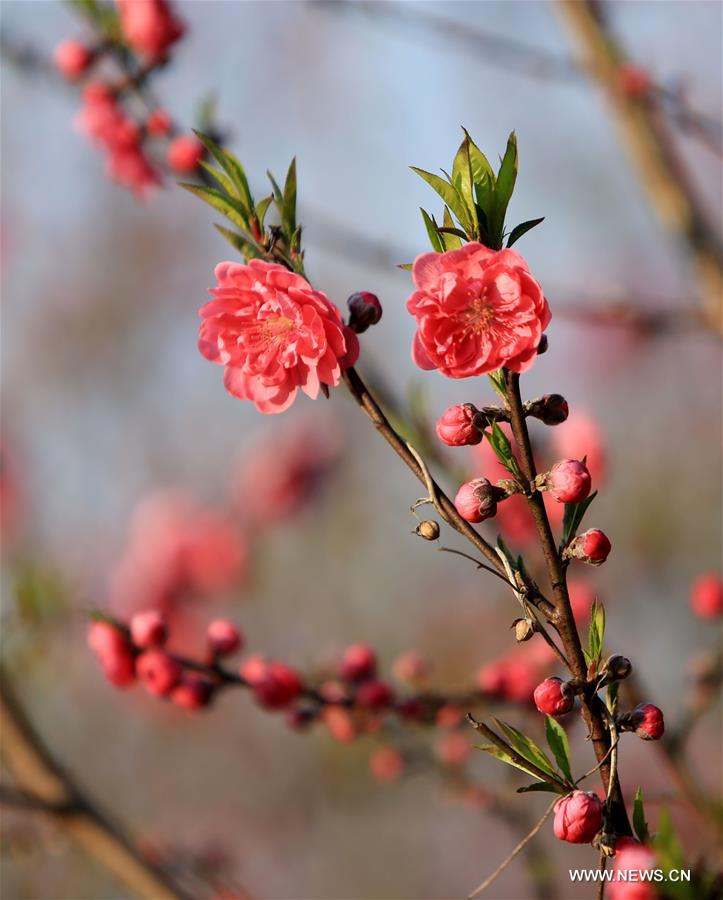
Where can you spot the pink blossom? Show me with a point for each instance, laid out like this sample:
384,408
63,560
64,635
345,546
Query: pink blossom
477,500
273,334
386,764
158,123
578,817
551,698
176,547
568,481
149,26
148,629
113,651
129,167
456,426
411,668
283,472
72,58
185,152
340,724
477,310
358,662
453,749
224,638
277,686
706,596
192,692
158,671
631,856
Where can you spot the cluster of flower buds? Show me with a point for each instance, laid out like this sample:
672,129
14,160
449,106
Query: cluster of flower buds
592,546
137,147
646,720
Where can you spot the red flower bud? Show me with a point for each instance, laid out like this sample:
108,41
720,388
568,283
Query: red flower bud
374,694
386,764
192,693
634,81
185,152
592,546
358,662
149,629
552,699
159,672
224,637
278,686
456,426
113,651
364,310
158,123
477,500
568,481
647,722
706,596
72,59
578,817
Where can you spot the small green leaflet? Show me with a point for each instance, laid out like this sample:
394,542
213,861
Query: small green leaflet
503,449
451,196
574,514
503,757
541,786
519,230
639,823
527,748
596,632
558,743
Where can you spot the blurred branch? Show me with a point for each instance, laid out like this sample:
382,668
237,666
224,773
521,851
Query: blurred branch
520,57
649,145
44,786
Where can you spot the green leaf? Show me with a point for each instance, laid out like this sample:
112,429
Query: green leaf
498,383
219,176
506,178
503,449
482,171
639,823
507,552
407,267
246,248
434,237
504,757
574,514
229,207
521,229
262,208
451,196
462,177
596,631
558,743
451,241
288,219
233,168
527,748
541,786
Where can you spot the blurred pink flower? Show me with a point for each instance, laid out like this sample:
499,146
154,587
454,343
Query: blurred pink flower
706,596
283,472
386,764
631,856
149,26
129,167
580,436
477,310
273,334
176,548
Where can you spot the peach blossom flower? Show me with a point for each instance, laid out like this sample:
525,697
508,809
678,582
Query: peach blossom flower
477,310
273,334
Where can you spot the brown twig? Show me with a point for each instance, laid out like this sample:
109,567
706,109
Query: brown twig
643,132
48,788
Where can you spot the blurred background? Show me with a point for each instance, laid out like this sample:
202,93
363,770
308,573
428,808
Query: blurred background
107,402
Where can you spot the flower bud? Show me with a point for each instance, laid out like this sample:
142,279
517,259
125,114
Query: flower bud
706,598
552,699
647,722
453,748
159,672
364,310
552,409
185,152
568,481
358,662
386,764
618,668
592,547
634,81
632,861
278,686
578,817
192,693
72,59
158,123
411,667
524,629
148,629
429,530
113,651
374,694
477,500
457,426
224,637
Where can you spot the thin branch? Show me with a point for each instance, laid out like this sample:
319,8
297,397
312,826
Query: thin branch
518,849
